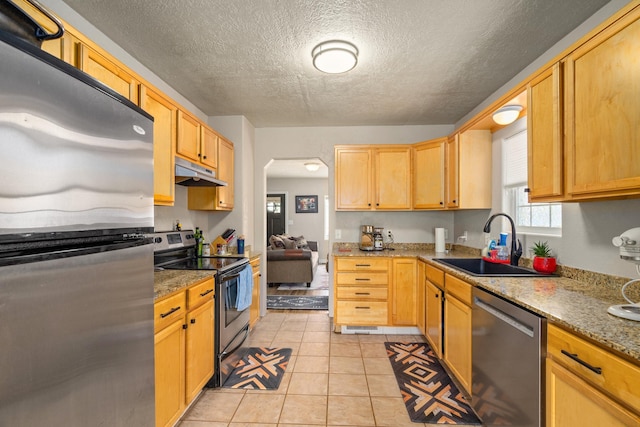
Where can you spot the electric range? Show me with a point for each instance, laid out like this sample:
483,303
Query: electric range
175,250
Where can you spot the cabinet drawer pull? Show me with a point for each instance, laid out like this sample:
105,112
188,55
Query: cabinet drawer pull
208,291
362,279
173,310
363,308
363,293
575,357
363,265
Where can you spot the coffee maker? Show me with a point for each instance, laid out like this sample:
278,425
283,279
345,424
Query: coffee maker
371,238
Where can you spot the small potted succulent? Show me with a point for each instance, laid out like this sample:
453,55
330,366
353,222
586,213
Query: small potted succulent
543,260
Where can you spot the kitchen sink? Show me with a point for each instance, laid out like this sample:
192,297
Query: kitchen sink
480,267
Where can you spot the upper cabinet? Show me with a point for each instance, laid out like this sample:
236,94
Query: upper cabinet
164,137
469,170
602,107
429,174
188,143
373,177
111,74
216,198
544,135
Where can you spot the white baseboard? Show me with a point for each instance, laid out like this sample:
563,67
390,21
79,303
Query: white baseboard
380,330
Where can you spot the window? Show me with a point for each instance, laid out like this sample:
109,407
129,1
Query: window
327,211
530,218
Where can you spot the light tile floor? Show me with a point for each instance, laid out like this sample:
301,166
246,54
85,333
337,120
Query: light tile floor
332,380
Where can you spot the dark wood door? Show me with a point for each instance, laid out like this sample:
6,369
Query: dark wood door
276,208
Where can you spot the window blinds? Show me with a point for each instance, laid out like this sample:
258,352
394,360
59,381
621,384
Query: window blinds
514,150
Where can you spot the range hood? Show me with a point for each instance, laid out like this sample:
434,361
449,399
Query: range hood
193,175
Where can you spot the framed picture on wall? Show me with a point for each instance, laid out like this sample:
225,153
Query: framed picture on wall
306,204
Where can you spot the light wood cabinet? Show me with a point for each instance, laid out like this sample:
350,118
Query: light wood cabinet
429,174
601,114
216,198
452,185
225,196
199,349
469,170
361,291
254,311
421,298
208,147
544,136
169,351
588,385
392,178
373,178
184,348
458,329
108,72
164,139
404,285
169,373
189,134
434,296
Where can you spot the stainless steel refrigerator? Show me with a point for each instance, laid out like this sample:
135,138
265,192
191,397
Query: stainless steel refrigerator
76,273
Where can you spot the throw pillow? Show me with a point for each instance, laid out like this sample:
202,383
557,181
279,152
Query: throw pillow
276,242
301,242
289,243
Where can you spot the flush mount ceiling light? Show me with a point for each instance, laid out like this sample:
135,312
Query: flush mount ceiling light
312,167
335,56
507,114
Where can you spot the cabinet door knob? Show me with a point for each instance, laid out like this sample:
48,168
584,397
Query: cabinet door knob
193,321
527,190
204,157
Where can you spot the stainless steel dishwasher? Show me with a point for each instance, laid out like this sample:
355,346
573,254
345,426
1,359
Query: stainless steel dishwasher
508,362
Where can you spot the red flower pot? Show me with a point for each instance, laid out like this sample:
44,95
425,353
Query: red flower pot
544,265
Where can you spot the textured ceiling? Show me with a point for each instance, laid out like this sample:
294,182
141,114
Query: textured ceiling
421,61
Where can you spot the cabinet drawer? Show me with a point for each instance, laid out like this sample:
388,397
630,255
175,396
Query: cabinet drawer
362,312
435,276
362,279
168,309
458,288
198,294
361,263
361,293
617,376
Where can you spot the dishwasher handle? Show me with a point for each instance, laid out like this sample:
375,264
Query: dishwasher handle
510,320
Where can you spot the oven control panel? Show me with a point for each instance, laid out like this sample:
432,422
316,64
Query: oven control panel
172,240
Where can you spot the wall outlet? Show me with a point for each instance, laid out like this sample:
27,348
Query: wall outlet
389,233
446,234
338,234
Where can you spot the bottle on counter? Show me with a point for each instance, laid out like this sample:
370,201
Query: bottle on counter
241,244
199,242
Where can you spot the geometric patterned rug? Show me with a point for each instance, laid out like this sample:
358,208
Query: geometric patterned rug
428,392
296,302
260,369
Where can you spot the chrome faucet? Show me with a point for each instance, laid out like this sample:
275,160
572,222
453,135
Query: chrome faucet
516,251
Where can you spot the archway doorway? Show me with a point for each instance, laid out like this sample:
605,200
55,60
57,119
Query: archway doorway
296,205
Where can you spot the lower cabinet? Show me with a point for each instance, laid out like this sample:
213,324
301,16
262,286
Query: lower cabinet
434,297
361,291
184,337
421,298
404,291
254,310
457,329
587,385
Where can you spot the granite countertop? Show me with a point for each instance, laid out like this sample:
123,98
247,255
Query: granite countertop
579,304
167,282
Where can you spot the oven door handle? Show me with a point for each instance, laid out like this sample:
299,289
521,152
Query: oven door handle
226,352
230,277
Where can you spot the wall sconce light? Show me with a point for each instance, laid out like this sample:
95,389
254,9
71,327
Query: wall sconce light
312,167
335,56
507,114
